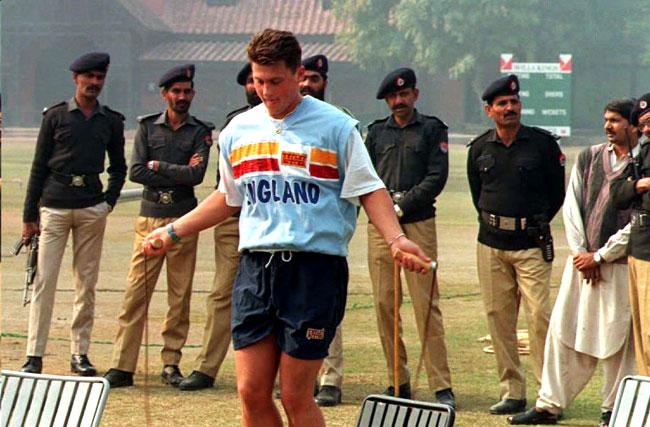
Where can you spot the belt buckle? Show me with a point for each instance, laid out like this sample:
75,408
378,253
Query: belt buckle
77,181
643,219
165,197
507,223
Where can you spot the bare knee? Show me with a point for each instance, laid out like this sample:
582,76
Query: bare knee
253,394
295,402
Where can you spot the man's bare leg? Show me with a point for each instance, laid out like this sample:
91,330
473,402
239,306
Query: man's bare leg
256,367
297,377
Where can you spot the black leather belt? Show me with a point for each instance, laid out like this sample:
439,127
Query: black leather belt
640,219
504,222
166,197
75,180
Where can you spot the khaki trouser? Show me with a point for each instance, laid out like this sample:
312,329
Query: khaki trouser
566,372
503,274
181,259
331,372
87,226
380,263
639,273
216,334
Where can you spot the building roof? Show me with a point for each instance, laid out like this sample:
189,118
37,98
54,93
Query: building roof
204,51
144,15
302,17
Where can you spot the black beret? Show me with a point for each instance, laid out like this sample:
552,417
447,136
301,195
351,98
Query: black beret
508,85
242,76
91,61
399,79
641,107
179,73
316,63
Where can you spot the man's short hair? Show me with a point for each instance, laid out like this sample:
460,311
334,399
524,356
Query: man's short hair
270,46
623,107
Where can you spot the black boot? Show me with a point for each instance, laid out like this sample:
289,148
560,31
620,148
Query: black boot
329,395
508,406
117,378
33,365
446,397
171,375
404,391
196,381
80,364
534,416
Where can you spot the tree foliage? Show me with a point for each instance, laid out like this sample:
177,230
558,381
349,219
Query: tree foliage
462,39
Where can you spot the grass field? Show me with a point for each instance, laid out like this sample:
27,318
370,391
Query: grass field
473,371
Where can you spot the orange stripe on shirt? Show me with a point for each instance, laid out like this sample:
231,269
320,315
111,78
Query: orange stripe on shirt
323,157
255,149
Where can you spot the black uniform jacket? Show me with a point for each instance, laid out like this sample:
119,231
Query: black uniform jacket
70,144
413,160
625,196
155,140
522,180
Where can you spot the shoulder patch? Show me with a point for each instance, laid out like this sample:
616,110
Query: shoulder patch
205,123
117,113
148,116
476,138
46,109
545,132
440,122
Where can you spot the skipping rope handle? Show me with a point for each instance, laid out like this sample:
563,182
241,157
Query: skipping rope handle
156,243
419,261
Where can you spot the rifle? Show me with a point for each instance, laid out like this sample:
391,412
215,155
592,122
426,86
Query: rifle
30,265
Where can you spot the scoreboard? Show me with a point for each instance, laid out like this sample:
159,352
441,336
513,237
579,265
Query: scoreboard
545,92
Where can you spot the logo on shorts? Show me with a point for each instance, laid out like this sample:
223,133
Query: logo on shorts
315,334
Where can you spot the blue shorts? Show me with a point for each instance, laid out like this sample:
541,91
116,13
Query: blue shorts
299,297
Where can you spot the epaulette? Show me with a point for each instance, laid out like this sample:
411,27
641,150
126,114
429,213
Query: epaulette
46,109
148,116
378,121
117,113
233,113
476,138
205,123
546,132
436,119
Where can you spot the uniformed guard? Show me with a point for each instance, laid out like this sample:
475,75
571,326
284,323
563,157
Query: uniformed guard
170,157
328,390
516,176
245,79
216,333
64,181
410,152
632,189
